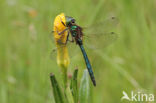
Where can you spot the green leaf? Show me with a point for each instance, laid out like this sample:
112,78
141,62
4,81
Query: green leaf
58,95
73,86
69,95
84,88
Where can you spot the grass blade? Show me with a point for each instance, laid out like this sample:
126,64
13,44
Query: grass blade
84,88
73,86
58,95
69,95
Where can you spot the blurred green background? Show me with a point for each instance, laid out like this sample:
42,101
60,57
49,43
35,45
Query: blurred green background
129,64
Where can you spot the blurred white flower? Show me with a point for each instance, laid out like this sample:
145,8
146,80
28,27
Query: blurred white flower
11,2
11,79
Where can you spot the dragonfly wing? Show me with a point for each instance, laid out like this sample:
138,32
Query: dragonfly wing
71,46
101,40
53,53
107,25
72,50
101,34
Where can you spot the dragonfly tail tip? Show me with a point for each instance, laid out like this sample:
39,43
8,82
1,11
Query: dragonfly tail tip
94,82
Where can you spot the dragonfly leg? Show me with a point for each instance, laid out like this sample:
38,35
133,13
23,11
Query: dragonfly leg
70,40
60,42
62,22
61,31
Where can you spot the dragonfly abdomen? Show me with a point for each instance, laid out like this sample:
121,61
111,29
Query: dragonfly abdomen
89,67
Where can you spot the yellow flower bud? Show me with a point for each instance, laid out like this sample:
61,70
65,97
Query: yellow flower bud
62,51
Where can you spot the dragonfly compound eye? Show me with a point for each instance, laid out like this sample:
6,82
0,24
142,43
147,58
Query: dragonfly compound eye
73,20
69,21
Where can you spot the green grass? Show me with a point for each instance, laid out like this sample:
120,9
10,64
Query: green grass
128,64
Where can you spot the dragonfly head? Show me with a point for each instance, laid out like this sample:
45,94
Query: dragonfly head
70,21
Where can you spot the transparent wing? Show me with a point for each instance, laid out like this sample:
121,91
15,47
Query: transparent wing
71,46
106,25
53,52
100,42
101,34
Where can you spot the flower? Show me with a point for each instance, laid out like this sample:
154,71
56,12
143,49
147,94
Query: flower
62,51
32,13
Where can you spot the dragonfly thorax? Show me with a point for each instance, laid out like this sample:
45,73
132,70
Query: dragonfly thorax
73,27
73,30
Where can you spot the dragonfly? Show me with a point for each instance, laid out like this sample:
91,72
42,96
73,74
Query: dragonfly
78,34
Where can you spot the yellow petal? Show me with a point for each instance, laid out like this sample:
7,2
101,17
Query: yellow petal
59,27
62,51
